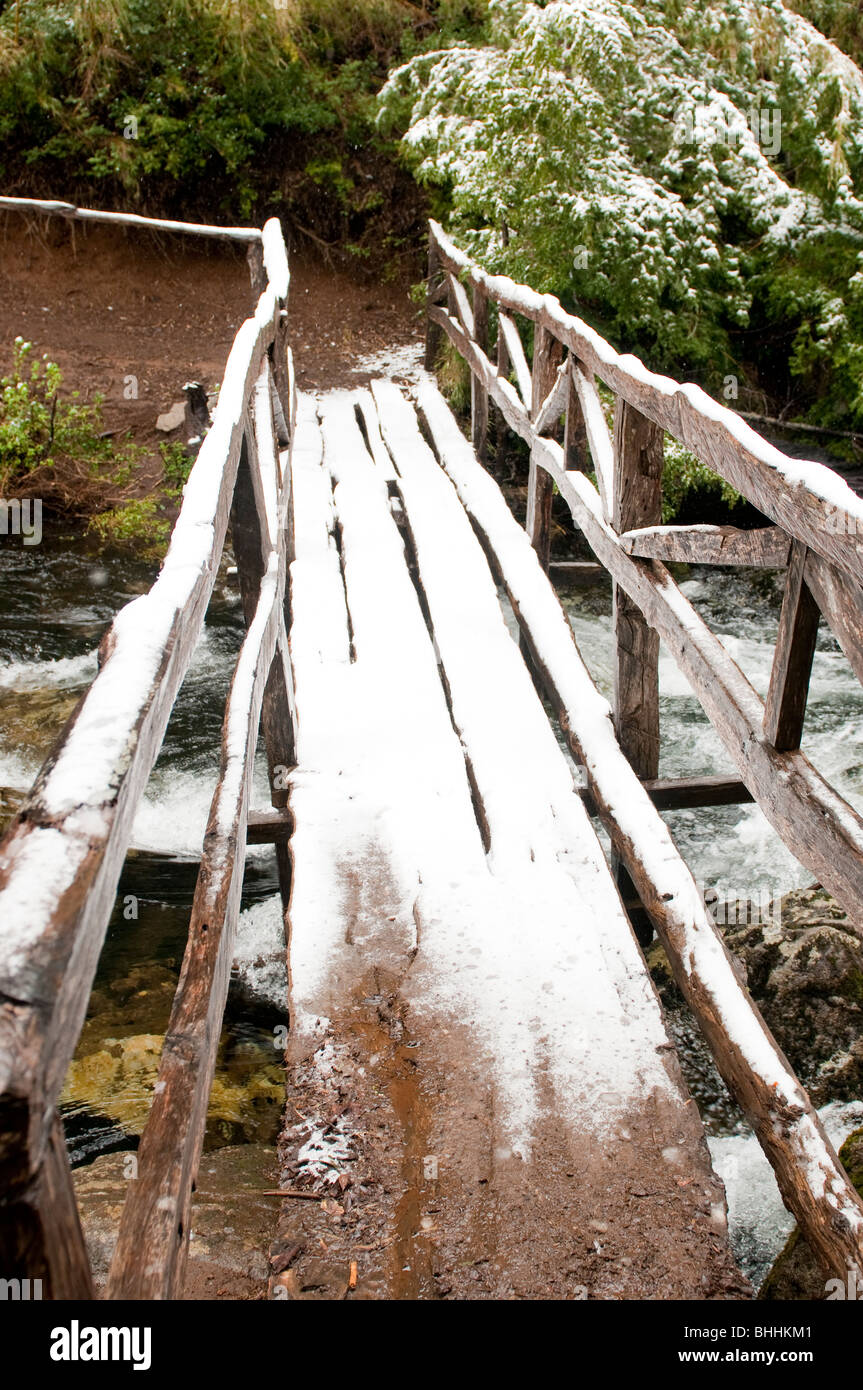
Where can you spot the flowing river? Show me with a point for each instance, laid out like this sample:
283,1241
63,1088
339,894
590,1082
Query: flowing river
57,600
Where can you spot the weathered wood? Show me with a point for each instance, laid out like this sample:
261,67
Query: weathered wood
504,395
785,706
433,333
575,443
841,602
478,393
598,437
806,499
129,219
547,416
547,354
816,823
638,459
149,1258
40,1230
70,836
684,793
516,357
458,297
764,548
680,793
256,526
269,827
809,1174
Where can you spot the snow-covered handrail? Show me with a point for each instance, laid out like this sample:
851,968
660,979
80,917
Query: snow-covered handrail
61,859
807,499
53,208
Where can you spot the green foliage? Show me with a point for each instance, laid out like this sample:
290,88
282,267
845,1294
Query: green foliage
608,152
142,520
684,477
216,108
176,465
40,430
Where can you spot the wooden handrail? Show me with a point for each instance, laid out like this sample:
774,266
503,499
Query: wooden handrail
52,208
61,858
807,499
818,537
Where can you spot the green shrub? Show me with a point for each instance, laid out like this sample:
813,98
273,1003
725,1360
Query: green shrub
607,152
55,446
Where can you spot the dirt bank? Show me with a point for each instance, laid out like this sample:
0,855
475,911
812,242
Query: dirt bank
112,304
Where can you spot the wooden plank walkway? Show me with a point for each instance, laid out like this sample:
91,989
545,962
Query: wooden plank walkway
454,927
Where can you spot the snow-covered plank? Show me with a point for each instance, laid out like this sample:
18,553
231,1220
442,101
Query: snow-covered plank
500,963
812,1181
542,848
598,437
380,792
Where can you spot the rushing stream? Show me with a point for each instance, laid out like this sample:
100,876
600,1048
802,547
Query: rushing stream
56,601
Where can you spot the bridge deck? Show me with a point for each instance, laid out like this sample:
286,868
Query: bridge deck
466,990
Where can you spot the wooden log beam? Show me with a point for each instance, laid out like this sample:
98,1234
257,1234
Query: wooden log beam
841,602
816,823
150,1255
810,1177
269,827
598,437
785,706
517,359
766,547
550,410
40,1229
433,333
686,793
575,442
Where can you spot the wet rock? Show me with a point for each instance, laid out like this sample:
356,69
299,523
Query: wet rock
805,970
232,1223
796,1274
803,963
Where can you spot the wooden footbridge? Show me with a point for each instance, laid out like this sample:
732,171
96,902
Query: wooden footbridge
438,863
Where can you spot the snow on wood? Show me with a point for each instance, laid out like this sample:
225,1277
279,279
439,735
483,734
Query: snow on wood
598,437
129,219
806,498
149,1260
556,945
514,348
779,1107
85,798
276,258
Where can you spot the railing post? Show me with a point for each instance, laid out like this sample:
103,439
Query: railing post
547,356
434,333
40,1229
575,451
637,501
478,392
